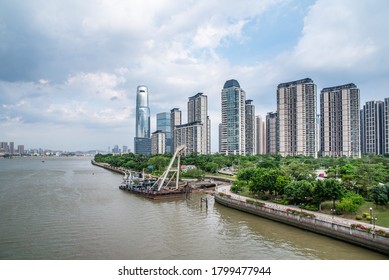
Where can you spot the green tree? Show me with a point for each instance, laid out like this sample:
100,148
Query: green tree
334,190
350,202
193,173
380,194
210,167
264,180
281,182
158,162
245,174
328,189
369,175
238,186
300,171
299,191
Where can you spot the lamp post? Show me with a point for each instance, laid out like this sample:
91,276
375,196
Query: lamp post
371,215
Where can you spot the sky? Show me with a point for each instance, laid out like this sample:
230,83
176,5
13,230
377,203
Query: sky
69,69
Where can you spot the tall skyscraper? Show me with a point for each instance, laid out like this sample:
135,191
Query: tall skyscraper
271,133
340,121
175,120
233,125
11,148
260,136
142,142
296,122
250,127
372,128
386,126
198,112
164,125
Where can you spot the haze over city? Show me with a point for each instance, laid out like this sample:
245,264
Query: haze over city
69,69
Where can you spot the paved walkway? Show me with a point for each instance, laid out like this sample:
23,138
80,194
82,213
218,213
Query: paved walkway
225,188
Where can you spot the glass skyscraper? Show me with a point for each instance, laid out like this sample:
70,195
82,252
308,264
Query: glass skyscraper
142,142
232,128
163,124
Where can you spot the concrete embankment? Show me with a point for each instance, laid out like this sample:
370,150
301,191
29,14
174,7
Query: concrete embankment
109,167
371,238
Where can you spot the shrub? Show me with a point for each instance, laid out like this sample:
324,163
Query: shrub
368,217
310,207
350,202
382,233
259,203
361,227
250,201
358,217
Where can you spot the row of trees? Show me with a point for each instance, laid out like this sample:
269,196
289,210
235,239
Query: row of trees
293,178
296,188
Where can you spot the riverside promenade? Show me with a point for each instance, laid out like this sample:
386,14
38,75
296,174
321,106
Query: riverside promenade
362,234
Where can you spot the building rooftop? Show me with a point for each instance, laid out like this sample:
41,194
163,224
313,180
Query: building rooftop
347,86
294,83
231,83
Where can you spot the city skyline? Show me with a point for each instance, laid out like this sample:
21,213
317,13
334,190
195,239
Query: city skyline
68,82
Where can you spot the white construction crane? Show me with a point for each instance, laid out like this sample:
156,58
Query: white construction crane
161,180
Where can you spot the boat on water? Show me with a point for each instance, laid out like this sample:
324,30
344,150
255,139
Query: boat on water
155,188
147,187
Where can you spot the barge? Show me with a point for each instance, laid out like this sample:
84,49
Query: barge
153,188
148,188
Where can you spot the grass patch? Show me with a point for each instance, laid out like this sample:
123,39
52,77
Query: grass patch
380,212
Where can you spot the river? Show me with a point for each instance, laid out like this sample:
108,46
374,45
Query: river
65,208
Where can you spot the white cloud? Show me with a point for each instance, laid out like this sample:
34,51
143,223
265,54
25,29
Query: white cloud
79,63
342,35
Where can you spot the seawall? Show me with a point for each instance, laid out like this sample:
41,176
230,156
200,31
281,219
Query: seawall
108,167
350,234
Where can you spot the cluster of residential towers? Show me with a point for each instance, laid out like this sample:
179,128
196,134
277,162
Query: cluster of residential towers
341,128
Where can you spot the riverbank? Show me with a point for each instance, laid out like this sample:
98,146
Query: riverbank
109,167
365,235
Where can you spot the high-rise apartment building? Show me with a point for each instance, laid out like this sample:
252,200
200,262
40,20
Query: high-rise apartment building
372,128
260,136
296,122
250,127
340,121
142,142
233,125
158,142
190,135
21,149
386,126
4,148
175,120
164,125
11,148
271,133
195,135
198,112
